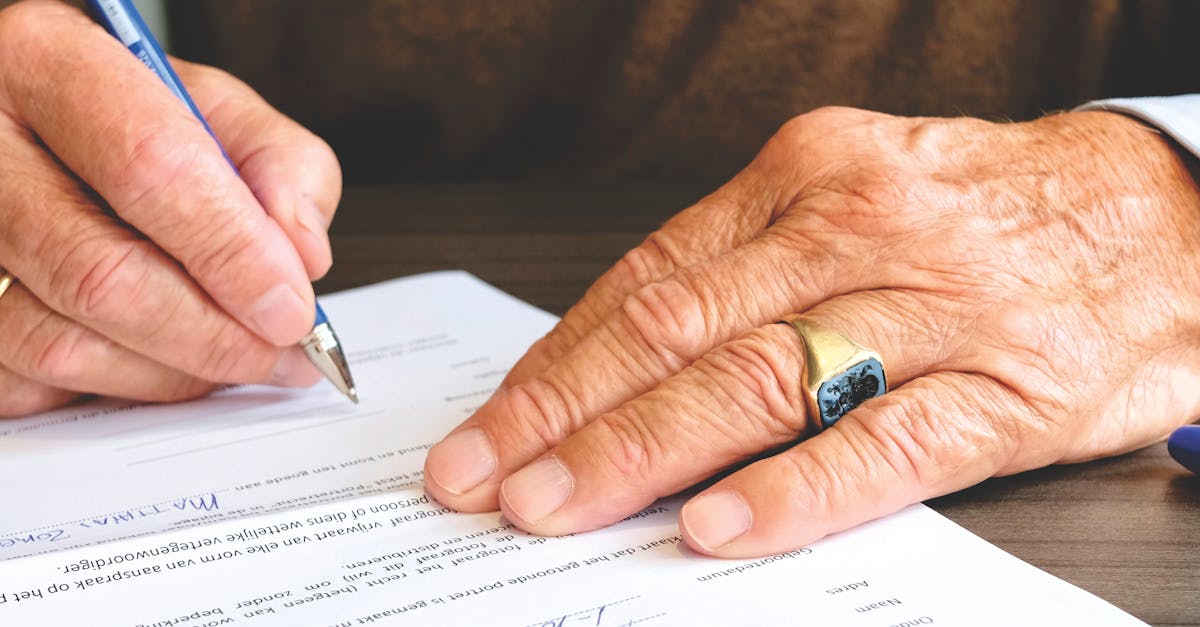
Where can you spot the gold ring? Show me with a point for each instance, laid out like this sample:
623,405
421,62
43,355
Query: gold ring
6,281
839,374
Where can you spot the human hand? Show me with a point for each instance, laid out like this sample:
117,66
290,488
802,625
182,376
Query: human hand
169,277
1030,287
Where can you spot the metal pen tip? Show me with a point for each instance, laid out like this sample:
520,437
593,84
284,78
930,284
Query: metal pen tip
326,354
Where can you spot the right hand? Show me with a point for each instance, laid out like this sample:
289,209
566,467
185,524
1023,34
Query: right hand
148,269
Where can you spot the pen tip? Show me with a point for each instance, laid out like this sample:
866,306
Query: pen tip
353,394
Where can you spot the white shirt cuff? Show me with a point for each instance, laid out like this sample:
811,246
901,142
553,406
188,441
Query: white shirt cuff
1177,116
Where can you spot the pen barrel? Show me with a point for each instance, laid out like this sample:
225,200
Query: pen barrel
123,21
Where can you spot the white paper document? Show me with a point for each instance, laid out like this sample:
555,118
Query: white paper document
425,352
264,507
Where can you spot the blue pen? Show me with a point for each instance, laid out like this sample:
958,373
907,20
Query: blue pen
1184,446
122,19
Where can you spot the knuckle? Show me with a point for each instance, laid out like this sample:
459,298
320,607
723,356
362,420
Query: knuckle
216,252
57,359
161,166
802,127
839,114
667,318
1012,420
932,140
819,482
543,412
152,171
927,137
97,279
1032,354
152,174
650,261
933,437
891,432
628,448
868,204
761,377
828,149
153,158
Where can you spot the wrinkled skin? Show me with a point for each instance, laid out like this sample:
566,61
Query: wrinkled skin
1031,288
212,282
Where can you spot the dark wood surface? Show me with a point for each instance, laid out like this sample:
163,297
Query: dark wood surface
1126,529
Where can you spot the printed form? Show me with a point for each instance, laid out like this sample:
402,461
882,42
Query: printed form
258,506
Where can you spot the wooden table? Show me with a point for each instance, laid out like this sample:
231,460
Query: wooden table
1126,529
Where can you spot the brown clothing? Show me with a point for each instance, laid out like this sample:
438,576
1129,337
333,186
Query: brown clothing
453,89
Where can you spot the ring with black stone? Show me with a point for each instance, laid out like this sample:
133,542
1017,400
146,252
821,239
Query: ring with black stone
839,374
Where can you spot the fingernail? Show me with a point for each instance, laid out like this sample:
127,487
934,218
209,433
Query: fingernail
462,461
716,518
538,490
295,370
279,314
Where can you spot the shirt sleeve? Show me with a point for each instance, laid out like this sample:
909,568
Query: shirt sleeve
1177,116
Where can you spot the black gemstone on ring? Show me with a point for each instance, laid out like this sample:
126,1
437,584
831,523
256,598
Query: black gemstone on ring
837,396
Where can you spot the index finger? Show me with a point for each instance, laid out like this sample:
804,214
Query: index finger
141,149
291,171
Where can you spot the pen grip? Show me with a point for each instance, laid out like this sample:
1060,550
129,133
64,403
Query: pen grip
123,21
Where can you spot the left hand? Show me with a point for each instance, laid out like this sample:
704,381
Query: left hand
1031,288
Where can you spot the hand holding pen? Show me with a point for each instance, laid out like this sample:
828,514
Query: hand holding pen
145,267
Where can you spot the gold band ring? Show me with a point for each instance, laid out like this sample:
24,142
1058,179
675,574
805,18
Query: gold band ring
839,374
6,281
